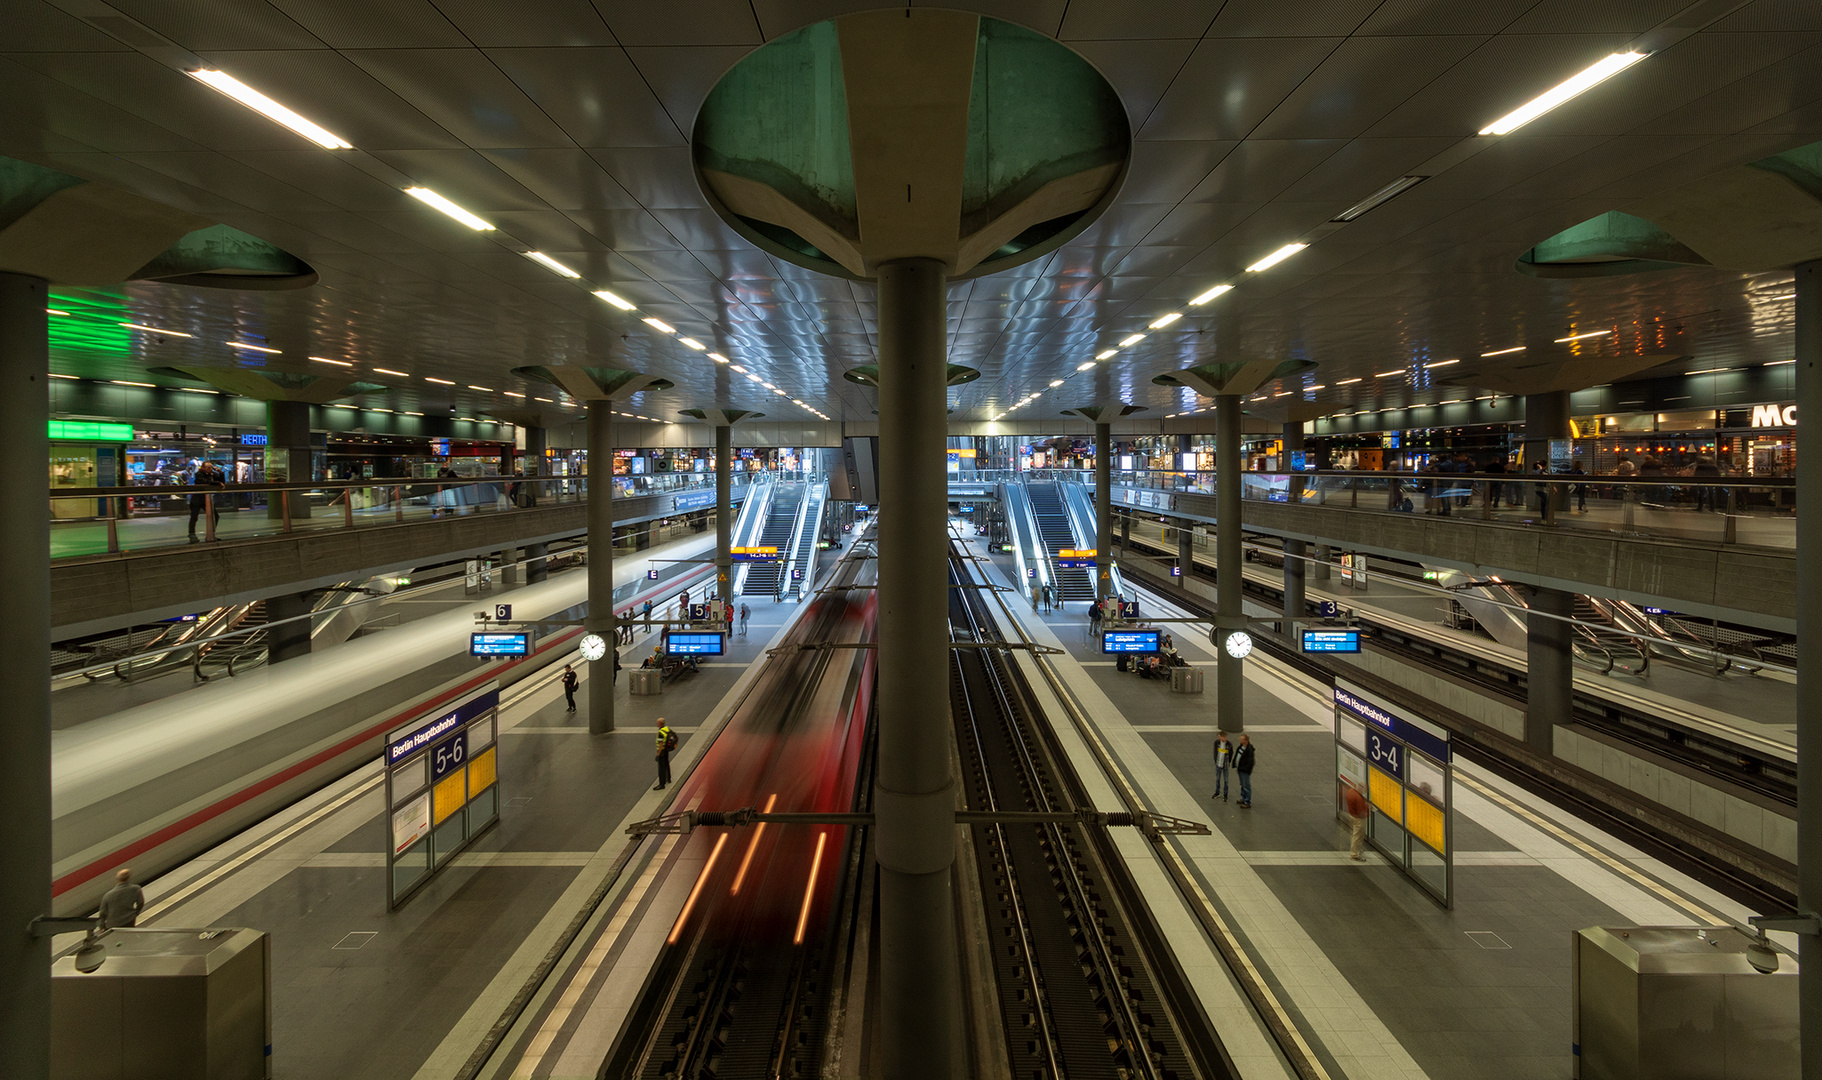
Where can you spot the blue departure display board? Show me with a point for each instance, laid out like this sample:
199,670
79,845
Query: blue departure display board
499,643
694,644
1336,641
1130,641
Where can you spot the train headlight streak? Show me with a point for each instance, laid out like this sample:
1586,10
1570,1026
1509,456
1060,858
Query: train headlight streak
752,846
809,890
707,869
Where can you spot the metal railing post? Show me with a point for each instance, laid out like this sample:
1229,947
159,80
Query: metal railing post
208,515
113,536
1731,533
347,508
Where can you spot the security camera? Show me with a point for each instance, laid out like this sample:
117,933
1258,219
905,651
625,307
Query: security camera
1762,957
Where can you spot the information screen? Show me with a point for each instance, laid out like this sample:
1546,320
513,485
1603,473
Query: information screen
499,643
1130,641
694,644
753,554
1338,641
1075,559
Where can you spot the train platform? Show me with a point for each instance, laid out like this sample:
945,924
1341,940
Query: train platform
360,991
1364,968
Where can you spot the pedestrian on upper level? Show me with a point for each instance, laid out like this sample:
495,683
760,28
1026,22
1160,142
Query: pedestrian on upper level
1244,757
1224,758
121,905
1355,804
570,682
667,742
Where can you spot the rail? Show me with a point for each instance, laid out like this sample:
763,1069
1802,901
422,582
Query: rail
110,520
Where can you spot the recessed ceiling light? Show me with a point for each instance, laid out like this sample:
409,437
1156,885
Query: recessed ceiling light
1162,321
326,360
1084,367
1110,353
59,311
513,393
128,382
389,371
482,389
414,414
1211,294
432,199
546,260
718,358
1578,83
692,343
794,401
1276,257
661,326
154,330
268,108
1504,352
1313,389
753,377
1131,339
78,378
197,390
622,304
439,382
738,368
1707,371
1383,195
1282,393
1770,363
1442,363
1583,337
1056,382
252,348
1383,374
1349,382
768,386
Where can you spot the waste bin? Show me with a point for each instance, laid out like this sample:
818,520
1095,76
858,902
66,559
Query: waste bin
647,681
1186,680
165,1005
1678,1003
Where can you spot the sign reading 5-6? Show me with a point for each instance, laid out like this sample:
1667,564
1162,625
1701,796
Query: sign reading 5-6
448,754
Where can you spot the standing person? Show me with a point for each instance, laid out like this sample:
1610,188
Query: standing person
120,905
1047,595
1356,806
1244,755
1224,757
744,612
667,741
570,683
1581,490
616,678
208,474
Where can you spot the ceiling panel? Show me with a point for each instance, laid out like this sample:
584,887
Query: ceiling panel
1273,18
374,24
1141,71
555,23
464,91
220,24
1103,20
566,179
595,95
683,22
1407,18
1361,82
1228,85
682,77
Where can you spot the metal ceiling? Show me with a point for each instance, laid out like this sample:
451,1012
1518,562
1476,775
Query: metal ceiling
562,122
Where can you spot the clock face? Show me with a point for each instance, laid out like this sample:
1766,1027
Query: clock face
1239,644
593,646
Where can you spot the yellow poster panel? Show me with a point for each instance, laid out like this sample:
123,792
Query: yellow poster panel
448,796
480,772
1426,823
1387,794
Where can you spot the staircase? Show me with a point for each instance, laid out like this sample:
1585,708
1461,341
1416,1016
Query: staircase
1054,531
781,521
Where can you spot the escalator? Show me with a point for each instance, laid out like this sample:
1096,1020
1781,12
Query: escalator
762,578
803,551
1054,529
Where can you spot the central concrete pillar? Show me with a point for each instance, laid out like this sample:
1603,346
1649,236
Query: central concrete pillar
25,681
287,454
1230,675
1103,511
914,798
1809,663
1294,550
535,445
1546,419
600,519
724,511
1323,557
1549,666
289,635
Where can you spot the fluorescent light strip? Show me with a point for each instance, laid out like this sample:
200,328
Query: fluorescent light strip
545,260
78,378
622,304
661,326
692,343
432,199
126,382
1771,363
1383,195
1108,355
1576,84
1313,389
1583,337
1162,321
1056,382
1084,367
1275,258
1442,363
1708,371
1210,295
1504,352
1131,340
738,368
389,371
59,311
154,330
1384,374
271,110
326,360
439,382
1350,382
482,389
252,348
718,358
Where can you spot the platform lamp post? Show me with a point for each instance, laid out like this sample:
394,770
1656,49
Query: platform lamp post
600,388
859,148
724,421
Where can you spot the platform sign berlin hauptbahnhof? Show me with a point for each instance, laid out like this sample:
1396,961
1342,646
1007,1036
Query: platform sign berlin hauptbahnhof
1402,765
442,789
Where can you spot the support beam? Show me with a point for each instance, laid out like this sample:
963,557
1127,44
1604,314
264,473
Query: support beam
1294,550
1230,675
600,618
535,569
25,682
1103,511
724,511
287,640
914,798
1549,666
1809,664
288,455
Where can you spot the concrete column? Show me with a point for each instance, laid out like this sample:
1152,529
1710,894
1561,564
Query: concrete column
914,798
1809,663
1546,418
535,445
1319,571
1103,511
287,453
1294,550
600,618
1549,666
724,510
1186,550
288,640
1230,676
25,682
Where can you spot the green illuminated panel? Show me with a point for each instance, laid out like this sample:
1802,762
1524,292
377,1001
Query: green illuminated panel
90,431
91,325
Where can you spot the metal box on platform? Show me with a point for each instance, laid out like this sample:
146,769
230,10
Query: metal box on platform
647,681
165,1005
1680,1003
1186,680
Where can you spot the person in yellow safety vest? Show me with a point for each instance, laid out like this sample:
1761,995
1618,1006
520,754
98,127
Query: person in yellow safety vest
667,741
